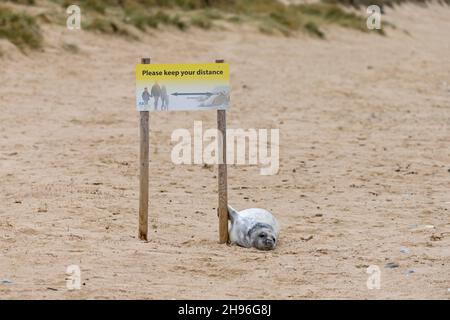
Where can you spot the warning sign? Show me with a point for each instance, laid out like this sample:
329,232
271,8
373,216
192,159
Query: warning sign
169,87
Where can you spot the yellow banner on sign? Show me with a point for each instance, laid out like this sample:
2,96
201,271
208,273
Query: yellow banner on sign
184,72
161,87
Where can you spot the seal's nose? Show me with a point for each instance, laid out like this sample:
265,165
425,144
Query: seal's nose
269,242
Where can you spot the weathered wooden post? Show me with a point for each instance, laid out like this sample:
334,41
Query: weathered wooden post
222,175
143,169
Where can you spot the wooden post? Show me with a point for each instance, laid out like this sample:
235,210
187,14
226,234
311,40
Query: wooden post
143,169
222,176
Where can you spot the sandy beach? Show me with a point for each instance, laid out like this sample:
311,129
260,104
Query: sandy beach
364,173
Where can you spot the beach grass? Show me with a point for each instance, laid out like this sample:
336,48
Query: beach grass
119,17
20,29
272,16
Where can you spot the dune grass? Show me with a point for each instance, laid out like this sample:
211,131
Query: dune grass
202,22
116,17
309,18
143,20
333,14
272,16
20,29
387,3
30,2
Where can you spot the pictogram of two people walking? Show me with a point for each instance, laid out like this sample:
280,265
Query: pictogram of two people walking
157,93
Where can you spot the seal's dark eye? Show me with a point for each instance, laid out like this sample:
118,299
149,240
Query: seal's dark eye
262,235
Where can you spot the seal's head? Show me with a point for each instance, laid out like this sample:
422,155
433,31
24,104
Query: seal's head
262,236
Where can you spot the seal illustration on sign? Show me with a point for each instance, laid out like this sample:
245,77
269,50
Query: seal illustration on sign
219,97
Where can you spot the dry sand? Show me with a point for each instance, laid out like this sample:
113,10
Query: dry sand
364,139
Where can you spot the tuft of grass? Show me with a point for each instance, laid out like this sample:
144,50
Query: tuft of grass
381,3
95,5
143,21
314,30
106,26
333,14
235,19
202,22
276,17
44,17
29,2
272,27
20,29
98,6
213,14
289,19
179,23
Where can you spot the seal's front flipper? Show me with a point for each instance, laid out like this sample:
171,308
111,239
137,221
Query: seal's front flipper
232,213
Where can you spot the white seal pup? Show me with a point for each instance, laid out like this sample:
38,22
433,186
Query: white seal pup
253,228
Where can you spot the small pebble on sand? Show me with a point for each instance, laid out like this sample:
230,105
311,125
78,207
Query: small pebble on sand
391,265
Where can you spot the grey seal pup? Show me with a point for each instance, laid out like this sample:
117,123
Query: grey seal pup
253,228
